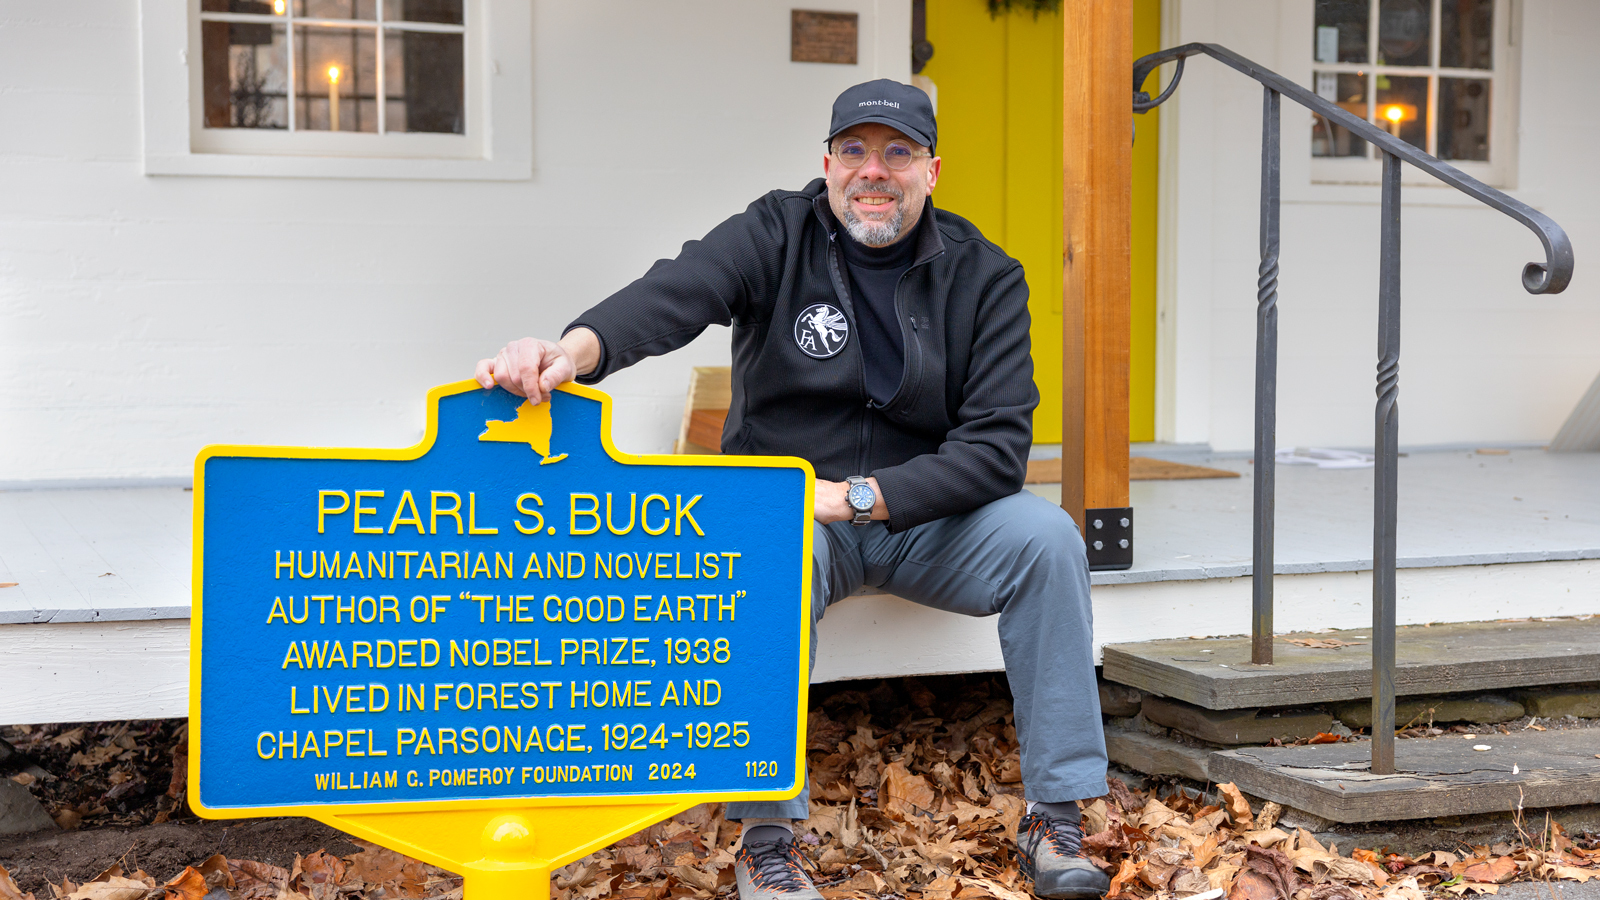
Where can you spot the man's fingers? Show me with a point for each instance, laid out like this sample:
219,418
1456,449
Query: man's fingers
504,375
528,368
559,369
538,359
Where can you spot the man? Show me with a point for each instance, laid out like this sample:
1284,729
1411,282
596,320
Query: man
888,345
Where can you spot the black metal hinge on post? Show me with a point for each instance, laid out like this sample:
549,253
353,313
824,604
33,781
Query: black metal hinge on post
1109,536
921,49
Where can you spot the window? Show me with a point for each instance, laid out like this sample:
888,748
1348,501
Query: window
338,88
1431,72
376,66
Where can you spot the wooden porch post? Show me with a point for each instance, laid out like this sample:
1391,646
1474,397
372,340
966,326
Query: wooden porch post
1097,152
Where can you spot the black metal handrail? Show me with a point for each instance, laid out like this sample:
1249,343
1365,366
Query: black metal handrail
1548,277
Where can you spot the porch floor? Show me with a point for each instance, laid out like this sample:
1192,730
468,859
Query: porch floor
1457,508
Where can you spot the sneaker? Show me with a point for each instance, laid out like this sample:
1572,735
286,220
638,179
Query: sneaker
1050,851
770,870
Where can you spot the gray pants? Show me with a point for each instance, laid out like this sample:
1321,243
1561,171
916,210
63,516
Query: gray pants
1021,558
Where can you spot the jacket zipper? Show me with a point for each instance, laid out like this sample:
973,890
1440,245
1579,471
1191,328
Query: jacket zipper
864,440
908,341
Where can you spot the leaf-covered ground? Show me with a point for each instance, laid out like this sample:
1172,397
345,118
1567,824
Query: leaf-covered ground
916,794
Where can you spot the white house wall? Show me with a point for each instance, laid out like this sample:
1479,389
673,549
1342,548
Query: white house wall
1481,360
142,317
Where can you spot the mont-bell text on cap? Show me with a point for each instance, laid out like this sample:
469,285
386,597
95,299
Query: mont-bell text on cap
900,106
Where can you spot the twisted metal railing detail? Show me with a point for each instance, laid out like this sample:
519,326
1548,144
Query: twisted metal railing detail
1548,277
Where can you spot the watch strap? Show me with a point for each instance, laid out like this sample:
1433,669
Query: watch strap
862,516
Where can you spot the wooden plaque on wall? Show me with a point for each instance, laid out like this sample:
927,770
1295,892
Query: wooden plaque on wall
824,37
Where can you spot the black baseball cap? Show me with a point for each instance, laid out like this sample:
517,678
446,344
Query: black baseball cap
891,103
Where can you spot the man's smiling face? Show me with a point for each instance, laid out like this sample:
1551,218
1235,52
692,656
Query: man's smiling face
876,204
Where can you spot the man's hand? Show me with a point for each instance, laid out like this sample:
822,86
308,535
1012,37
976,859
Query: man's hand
831,503
533,368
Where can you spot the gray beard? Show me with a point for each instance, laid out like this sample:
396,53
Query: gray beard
875,234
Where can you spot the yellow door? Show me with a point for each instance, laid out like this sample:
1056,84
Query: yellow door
998,85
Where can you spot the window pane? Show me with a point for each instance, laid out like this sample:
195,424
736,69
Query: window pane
1341,32
1403,32
1350,92
444,12
338,78
1402,107
250,7
1466,34
1464,118
336,9
244,75
423,78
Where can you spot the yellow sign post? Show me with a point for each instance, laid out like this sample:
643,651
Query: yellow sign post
500,649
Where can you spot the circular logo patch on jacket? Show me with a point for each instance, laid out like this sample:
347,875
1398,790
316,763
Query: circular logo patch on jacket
821,331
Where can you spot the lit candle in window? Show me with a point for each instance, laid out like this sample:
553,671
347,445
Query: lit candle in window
1396,113
333,98
277,7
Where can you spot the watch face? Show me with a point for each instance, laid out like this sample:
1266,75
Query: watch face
861,497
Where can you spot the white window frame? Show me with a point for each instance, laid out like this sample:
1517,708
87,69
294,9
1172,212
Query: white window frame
498,89
1499,170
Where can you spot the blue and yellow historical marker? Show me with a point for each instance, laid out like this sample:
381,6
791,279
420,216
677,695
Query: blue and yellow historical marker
502,648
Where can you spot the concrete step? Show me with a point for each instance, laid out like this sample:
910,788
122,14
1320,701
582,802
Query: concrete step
1437,659
1442,776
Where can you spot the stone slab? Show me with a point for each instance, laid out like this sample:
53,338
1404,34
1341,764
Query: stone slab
20,811
1235,726
1585,704
1156,755
1119,699
1485,708
1437,659
1438,777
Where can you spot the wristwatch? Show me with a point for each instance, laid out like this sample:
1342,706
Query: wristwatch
862,499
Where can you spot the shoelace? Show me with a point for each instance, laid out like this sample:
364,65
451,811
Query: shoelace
774,865
1063,836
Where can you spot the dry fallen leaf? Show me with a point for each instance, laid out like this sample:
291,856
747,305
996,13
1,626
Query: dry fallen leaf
375,864
1238,807
1189,881
189,885
1323,643
1125,873
9,889
257,880
1497,871
1333,868
1404,889
905,794
114,888
1252,885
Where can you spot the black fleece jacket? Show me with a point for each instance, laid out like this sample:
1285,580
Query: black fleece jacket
953,438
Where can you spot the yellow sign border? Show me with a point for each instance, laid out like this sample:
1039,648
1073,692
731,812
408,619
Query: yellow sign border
420,449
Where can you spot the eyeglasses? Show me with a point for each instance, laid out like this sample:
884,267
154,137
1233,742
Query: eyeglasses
853,153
